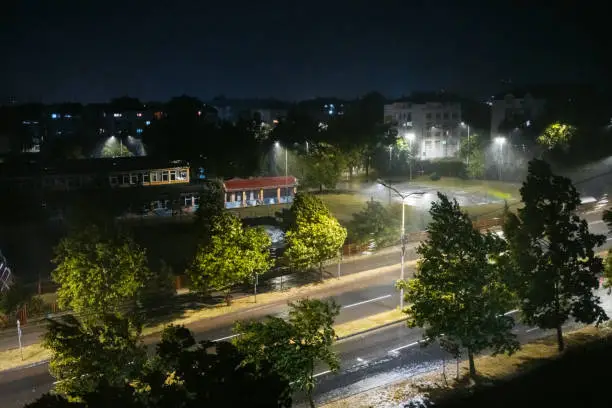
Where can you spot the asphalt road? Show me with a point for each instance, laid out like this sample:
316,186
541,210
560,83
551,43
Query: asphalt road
366,360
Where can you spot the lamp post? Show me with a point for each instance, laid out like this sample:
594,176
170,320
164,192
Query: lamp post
277,144
500,141
463,124
403,230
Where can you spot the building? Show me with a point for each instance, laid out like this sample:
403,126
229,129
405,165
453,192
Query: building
6,277
259,191
514,109
435,128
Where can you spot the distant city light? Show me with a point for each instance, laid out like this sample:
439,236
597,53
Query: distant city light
500,140
139,130
68,116
54,116
117,115
139,114
148,122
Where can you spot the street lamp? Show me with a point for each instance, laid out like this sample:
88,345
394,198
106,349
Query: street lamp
410,136
463,124
403,230
500,141
277,144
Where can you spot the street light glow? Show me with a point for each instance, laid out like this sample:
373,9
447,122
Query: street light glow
500,140
409,136
276,144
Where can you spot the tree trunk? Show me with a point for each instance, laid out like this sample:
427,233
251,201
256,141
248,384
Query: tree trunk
472,366
321,271
309,387
560,341
228,298
320,188
310,399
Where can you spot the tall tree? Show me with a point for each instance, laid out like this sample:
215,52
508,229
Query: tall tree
458,294
210,206
232,256
323,167
99,271
314,236
553,253
82,356
472,152
374,224
293,347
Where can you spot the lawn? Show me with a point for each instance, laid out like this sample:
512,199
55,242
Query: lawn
498,189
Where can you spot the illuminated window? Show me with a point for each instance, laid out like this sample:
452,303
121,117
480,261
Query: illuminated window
165,176
126,179
54,116
148,122
172,175
139,130
155,176
182,175
134,179
139,114
67,116
114,180
117,115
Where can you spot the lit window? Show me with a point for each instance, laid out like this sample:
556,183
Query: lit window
331,112
172,175
164,175
67,116
148,122
139,130
54,116
117,115
139,114
199,113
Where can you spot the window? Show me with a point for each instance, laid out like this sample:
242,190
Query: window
196,200
182,175
445,115
134,179
126,179
428,115
117,115
145,178
139,130
148,122
438,115
114,180
165,175
172,175
155,177
454,115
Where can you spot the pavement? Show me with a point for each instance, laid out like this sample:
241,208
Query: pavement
367,360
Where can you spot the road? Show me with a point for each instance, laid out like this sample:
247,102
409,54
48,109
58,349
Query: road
365,359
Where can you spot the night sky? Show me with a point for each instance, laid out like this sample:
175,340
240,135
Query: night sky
91,51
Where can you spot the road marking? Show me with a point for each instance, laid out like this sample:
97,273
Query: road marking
532,329
228,337
323,373
403,347
609,239
511,312
366,301
596,222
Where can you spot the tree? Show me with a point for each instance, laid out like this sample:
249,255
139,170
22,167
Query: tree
556,135
458,294
553,254
99,271
322,167
607,218
232,256
185,374
374,224
84,355
211,204
293,347
314,236
472,152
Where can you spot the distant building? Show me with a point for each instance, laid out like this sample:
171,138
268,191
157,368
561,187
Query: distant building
514,109
259,191
434,127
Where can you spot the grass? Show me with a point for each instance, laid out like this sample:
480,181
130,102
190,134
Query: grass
343,205
490,369
370,322
31,354
498,189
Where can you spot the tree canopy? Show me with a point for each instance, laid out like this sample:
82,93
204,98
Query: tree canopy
295,346
553,255
99,271
374,224
314,235
233,255
557,135
458,294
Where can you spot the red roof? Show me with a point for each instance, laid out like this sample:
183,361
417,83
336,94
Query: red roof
256,183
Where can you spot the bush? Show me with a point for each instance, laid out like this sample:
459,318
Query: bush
434,176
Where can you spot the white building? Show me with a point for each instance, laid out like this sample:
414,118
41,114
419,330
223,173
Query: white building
436,126
514,109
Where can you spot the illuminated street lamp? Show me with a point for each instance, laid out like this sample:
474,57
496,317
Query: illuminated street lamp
500,141
403,230
278,146
463,124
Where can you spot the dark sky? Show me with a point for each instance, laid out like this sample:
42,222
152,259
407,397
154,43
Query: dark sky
64,50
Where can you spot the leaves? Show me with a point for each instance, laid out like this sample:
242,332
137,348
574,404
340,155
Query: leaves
233,255
99,272
293,347
376,224
314,236
458,294
472,152
556,135
553,254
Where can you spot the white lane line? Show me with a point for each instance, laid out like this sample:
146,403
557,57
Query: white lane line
228,337
532,329
609,239
511,312
403,347
323,373
366,301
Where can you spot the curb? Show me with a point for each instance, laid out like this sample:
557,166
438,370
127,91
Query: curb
25,366
382,326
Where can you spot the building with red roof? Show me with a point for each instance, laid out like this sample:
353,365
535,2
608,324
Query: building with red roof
259,191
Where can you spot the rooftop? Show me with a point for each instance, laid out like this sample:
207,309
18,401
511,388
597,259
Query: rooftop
238,184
